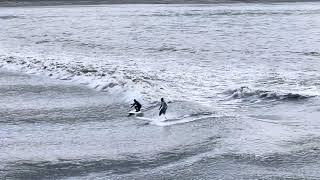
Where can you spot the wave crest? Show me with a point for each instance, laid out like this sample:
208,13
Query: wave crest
245,92
99,78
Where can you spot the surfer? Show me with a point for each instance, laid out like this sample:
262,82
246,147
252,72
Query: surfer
163,107
136,105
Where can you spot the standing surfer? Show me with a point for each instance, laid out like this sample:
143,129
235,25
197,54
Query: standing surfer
136,105
163,107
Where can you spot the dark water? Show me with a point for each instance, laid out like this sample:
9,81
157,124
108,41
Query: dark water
241,82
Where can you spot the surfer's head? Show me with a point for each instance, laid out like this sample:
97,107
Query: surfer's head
162,99
135,100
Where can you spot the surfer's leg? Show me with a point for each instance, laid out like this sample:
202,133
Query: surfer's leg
164,111
161,111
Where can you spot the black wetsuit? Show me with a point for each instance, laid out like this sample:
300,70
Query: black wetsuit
137,106
163,108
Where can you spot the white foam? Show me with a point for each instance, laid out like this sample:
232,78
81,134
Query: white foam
170,122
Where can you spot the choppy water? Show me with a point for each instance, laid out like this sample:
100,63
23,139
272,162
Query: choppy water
242,82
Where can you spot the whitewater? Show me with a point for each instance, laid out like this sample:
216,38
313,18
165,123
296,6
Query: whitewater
242,84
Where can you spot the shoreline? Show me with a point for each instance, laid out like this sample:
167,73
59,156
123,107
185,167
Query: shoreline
120,2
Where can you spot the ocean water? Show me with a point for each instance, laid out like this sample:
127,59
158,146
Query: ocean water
242,84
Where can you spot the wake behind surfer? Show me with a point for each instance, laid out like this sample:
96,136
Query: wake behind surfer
136,105
163,107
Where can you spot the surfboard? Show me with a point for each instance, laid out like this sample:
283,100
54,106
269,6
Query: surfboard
145,118
173,121
133,112
157,119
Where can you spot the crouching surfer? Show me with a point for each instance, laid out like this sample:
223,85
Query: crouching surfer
163,107
136,105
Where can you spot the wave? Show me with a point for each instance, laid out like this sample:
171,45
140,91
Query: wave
69,168
8,17
172,49
298,154
97,77
231,12
247,93
312,53
182,120
125,164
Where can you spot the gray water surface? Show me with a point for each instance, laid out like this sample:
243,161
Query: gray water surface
241,82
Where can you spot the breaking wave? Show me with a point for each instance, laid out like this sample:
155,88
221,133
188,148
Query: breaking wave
247,93
101,78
